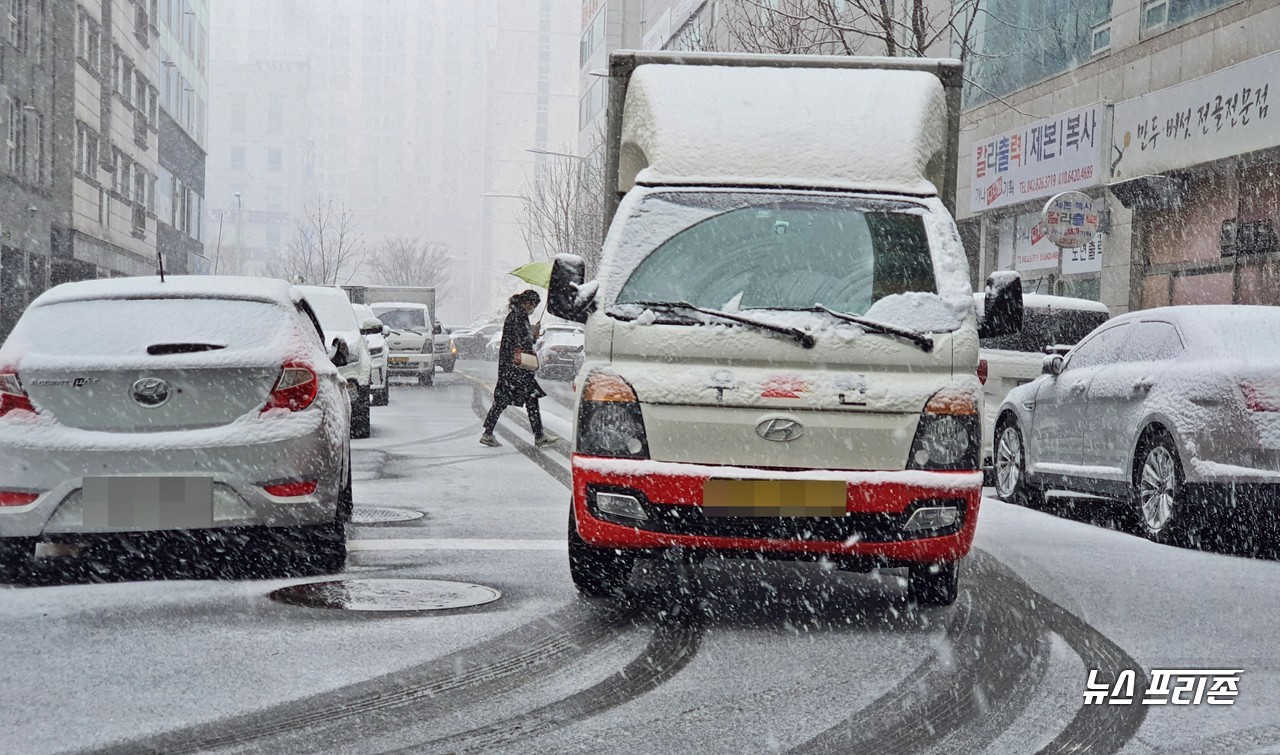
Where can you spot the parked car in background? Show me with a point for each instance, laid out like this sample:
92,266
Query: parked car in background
1175,411
559,351
472,342
374,338
412,349
154,416
492,346
338,319
1048,322
446,352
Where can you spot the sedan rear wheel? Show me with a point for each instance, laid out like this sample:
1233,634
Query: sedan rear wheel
1157,490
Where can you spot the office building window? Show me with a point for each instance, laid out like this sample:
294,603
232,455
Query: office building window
275,160
275,115
237,158
237,114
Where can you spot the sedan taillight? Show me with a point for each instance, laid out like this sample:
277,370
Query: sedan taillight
12,395
295,389
1261,396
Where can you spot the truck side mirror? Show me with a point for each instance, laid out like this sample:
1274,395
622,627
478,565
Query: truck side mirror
371,327
567,296
1003,305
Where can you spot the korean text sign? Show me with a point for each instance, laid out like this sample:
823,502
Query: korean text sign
1038,160
1220,115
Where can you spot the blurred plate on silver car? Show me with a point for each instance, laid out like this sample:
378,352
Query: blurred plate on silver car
148,503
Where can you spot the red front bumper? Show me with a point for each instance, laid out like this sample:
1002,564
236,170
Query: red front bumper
885,496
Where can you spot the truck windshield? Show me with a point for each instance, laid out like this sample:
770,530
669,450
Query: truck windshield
404,319
763,251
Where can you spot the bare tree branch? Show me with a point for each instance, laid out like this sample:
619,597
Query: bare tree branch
564,208
402,261
326,249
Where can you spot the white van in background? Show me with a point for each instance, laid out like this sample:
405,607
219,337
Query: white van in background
410,344
1010,360
781,341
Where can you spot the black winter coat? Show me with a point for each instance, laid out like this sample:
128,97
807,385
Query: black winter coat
516,386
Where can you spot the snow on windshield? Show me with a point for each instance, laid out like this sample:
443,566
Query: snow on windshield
773,252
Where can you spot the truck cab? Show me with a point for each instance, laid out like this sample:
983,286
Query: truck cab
781,339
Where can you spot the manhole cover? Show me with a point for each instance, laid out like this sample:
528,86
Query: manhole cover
386,595
382,514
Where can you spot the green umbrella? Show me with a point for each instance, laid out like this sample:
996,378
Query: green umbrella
535,273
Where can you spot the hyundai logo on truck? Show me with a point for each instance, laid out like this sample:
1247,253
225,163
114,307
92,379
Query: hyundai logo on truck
779,429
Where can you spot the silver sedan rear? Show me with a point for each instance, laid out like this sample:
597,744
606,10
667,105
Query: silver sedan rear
133,408
1175,411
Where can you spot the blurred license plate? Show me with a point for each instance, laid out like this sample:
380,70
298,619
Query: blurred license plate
397,360
773,498
148,503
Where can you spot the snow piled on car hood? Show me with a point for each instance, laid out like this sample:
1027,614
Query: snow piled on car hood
874,130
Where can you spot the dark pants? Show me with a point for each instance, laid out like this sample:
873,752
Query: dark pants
500,405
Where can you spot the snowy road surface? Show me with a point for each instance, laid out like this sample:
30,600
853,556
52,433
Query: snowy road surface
747,658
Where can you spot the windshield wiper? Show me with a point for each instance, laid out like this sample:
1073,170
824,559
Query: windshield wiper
919,339
799,336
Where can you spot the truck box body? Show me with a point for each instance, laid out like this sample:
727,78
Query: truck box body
375,294
781,342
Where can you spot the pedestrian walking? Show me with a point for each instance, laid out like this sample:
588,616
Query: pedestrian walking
516,383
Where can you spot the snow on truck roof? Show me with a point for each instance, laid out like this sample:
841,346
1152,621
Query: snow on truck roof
173,287
1047,301
873,130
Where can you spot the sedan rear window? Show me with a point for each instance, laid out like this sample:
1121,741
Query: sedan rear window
121,327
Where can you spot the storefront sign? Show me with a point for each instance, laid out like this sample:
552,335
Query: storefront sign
1032,249
1220,115
1070,219
1084,259
1038,160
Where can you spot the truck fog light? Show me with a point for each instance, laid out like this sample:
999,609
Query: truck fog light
932,518
616,504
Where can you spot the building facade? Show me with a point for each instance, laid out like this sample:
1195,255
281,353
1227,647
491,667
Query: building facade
183,131
423,119
1160,110
80,95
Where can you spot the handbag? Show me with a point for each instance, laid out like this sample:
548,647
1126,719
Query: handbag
527,361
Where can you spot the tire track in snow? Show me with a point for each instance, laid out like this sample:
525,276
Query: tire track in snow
525,653
982,678
983,665
674,643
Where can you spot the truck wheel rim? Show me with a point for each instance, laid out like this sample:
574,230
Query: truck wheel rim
1008,461
1156,487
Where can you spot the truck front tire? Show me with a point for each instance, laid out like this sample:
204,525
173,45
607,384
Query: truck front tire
597,572
933,584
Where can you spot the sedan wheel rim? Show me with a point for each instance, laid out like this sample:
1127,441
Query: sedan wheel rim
1157,487
1008,462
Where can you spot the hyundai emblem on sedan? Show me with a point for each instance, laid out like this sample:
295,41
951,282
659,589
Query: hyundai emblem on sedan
779,429
150,392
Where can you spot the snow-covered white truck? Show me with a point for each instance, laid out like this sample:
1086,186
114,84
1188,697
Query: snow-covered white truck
781,339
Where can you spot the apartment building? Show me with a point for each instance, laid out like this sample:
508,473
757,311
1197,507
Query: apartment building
81,86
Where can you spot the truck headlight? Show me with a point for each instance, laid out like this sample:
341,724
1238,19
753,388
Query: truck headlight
609,419
947,435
